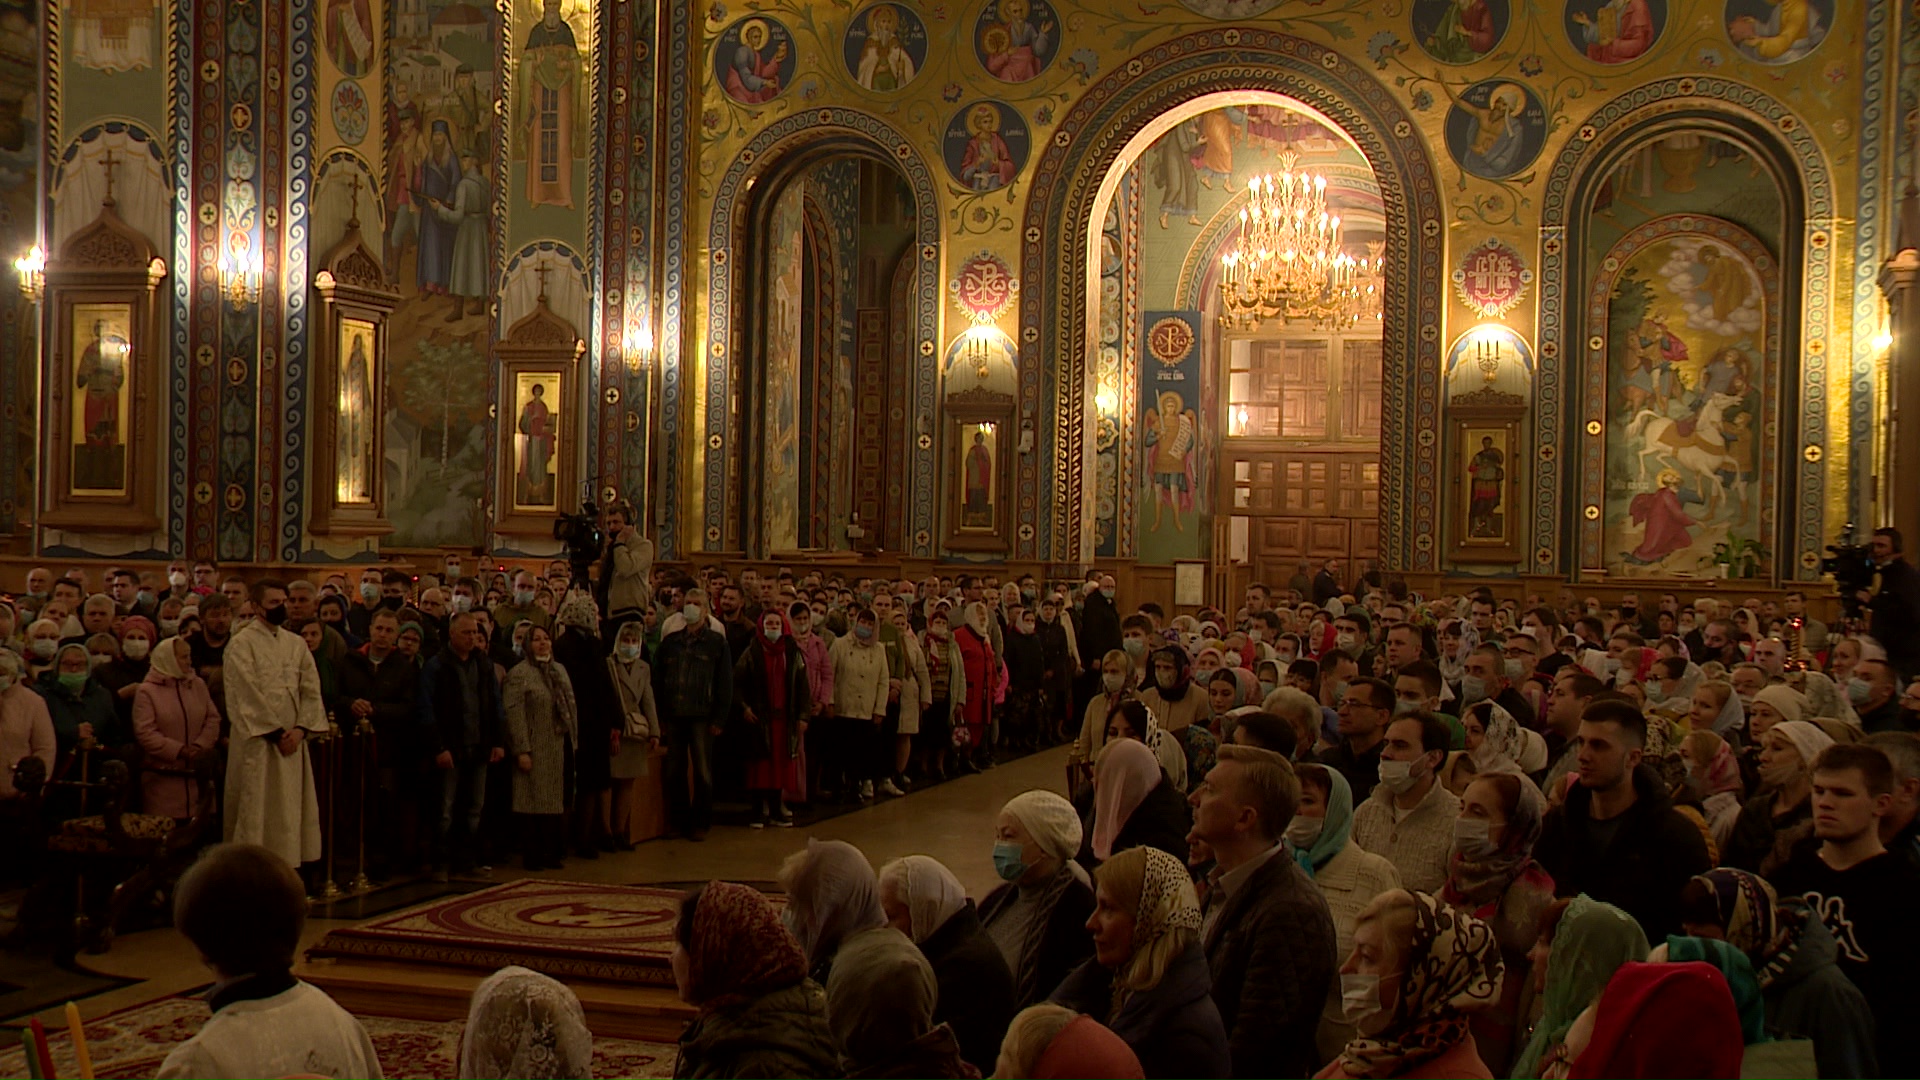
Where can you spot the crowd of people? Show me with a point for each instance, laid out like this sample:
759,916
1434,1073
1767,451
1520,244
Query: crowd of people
1343,830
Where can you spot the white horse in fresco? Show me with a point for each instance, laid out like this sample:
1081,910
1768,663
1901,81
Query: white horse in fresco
1703,453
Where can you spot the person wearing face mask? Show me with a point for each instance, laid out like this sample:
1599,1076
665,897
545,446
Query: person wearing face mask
1492,876
1148,979
1038,916
1409,817
1025,713
1169,695
1099,625
815,649
1060,648
1418,974
578,649
522,605
1485,679
123,674
42,642
693,684
366,600
1778,820
947,687
83,716
273,706
176,725
632,680
981,666
1352,635
543,731
379,686
1349,877
26,728
848,746
1873,690
775,694
1116,676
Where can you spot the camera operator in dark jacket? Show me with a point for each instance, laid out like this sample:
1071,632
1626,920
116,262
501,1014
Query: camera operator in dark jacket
1895,607
693,685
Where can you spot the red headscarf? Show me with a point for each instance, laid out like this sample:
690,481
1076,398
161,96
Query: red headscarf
1086,1048
740,950
139,622
1664,1020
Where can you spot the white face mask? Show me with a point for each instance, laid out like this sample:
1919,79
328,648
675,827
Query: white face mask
691,613
1303,832
1110,681
1343,642
461,603
1360,1001
135,649
1397,776
1472,836
177,580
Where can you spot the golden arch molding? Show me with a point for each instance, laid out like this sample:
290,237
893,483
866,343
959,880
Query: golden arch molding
1052,524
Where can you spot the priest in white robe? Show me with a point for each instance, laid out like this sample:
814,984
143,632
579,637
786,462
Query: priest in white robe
273,704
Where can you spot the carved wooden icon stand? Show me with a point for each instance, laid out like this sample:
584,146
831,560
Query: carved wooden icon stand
105,352
348,451
537,470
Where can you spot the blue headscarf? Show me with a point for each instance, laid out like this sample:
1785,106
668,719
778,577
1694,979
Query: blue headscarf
1337,827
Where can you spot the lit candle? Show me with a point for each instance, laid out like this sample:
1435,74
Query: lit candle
79,1042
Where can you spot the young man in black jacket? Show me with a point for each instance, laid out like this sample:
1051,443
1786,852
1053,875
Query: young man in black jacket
693,685
1618,838
462,730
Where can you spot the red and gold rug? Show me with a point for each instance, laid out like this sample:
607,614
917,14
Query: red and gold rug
567,929
133,1042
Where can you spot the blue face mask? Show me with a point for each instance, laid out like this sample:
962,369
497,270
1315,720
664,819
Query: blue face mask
1472,688
1006,861
862,631
1266,688
1859,690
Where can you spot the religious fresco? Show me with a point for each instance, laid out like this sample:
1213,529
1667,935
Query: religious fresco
440,243
1176,450
785,324
1459,31
754,60
549,102
1614,31
886,47
22,135
1776,32
986,145
536,442
112,64
346,34
357,378
1496,128
100,388
1015,40
1691,361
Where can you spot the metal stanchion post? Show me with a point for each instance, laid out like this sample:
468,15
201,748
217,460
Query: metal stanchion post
329,890
361,882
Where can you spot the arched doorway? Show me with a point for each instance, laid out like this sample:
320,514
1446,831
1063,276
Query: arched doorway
1268,429
851,207
1054,496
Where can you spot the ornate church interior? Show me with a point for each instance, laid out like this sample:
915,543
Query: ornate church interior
1553,307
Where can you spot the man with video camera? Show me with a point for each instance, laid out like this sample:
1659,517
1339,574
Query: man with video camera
626,569
1895,608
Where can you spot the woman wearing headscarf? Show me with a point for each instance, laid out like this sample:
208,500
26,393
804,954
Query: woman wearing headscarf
980,666
1713,769
542,733
1052,1042
946,678
580,651
1132,721
523,1025
844,747
1794,960
880,1004
1657,1020
1148,978
773,692
1038,917
176,725
1492,876
1578,953
632,681
131,661
1778,820
1772,705
759,1015
1418,971
1495,744
923,900
1348,876
81,709
1170,695
1134,805
832,894
1458,639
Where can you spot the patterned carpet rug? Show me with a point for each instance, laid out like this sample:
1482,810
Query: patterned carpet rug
133,1042
567,929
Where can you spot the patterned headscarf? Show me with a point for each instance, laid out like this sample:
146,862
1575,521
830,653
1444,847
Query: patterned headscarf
1590,943
578,612
1502,745
1475,883
740,950
525,1024
1748,911
1713,763
1453,967
1156,887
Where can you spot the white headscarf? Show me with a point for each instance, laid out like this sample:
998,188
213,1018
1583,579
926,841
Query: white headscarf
1050,820
929,890
525,1026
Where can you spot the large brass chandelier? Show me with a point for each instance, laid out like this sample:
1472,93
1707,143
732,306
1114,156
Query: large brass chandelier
1288,264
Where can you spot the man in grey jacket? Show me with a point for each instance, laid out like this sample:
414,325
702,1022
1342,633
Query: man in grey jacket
626,570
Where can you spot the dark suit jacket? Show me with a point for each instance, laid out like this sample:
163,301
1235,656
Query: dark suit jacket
1271,951
1896,616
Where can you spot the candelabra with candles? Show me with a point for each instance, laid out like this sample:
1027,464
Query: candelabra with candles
32,269
1288,263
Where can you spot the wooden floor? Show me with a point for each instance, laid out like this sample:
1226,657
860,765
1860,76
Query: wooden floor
953,823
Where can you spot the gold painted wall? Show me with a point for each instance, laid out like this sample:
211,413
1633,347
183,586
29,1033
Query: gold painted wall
1535,56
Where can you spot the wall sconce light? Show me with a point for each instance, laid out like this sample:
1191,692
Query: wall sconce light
1107,402
1486,347
32,268
240,280
1881,341
637,345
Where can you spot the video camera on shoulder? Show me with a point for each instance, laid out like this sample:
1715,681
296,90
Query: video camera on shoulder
1851,565
581,534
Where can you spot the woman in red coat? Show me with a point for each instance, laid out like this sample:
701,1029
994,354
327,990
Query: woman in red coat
981,669
176,724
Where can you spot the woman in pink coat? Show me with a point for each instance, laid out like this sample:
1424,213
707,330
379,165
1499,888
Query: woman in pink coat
175,722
